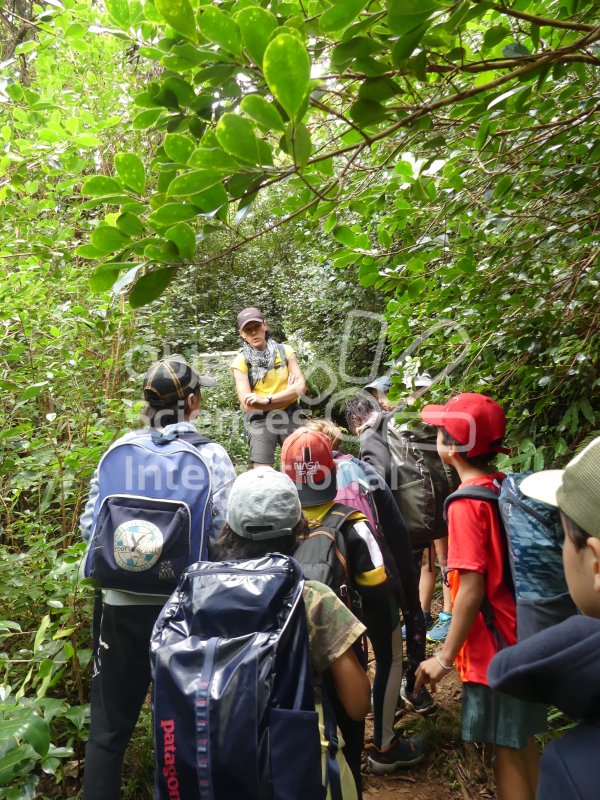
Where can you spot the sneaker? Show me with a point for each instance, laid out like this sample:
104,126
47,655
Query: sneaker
421,702
428,623
401,753
440,630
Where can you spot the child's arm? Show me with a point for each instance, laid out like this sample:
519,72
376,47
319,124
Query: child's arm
352,685
467,604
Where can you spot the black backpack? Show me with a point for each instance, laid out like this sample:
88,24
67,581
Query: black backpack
234,712
419,480
323,555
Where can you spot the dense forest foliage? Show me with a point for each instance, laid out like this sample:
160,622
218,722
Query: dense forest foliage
399,185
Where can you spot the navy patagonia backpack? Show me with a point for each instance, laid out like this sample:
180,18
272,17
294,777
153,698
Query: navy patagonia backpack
153,511
234,711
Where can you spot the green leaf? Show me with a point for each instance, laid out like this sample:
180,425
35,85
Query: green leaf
515,50
503,185
146,119
505,95
298,143
405,15
130,224
494,36
131,171
119,11
35,731
179,148
340,15
14,757
100,186
41,632
482,134
33,390
286,67
262,112
236,136
213,158
405,45
150,286
358,47
195,181
183,91
211,199
107,239
256,25
345,235
220,28
378,89
367,112
466,265
171,213
415,288
88,251
180,16
87,140
183,236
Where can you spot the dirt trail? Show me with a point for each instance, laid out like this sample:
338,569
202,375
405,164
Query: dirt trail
451,770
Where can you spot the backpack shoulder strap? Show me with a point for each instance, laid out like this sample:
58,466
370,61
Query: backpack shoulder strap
485,493
282,355
338,515
194,438
470,493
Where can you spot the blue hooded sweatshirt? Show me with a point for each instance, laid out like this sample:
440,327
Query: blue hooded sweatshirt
560,666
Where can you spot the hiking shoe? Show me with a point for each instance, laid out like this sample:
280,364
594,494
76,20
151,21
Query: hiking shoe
421,702
401,753
440,630
428,623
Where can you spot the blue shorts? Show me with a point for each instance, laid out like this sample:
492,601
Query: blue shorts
496,718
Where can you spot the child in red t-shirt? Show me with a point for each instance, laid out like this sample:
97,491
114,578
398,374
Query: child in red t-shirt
471,428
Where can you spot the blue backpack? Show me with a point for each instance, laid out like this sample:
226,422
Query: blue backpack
533,537
152,514
535,541
234,711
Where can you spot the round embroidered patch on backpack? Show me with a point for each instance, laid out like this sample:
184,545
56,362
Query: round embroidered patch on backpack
138,545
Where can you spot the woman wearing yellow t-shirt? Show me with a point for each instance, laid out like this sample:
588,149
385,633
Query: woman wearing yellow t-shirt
269,381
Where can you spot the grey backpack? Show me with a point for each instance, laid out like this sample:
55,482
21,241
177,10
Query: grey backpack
419,480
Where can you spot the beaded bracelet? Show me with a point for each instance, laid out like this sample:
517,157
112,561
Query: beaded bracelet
442,665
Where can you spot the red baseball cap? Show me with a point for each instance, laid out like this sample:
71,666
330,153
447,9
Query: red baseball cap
307,459
474,420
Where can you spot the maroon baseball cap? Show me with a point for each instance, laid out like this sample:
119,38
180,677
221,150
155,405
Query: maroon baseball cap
249,315
307,459
474,420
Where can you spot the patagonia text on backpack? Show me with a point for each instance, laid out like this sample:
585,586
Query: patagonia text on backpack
234,713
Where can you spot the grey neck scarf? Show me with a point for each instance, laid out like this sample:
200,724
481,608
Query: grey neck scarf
259,361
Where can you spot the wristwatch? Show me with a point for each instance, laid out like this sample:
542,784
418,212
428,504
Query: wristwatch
269,399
